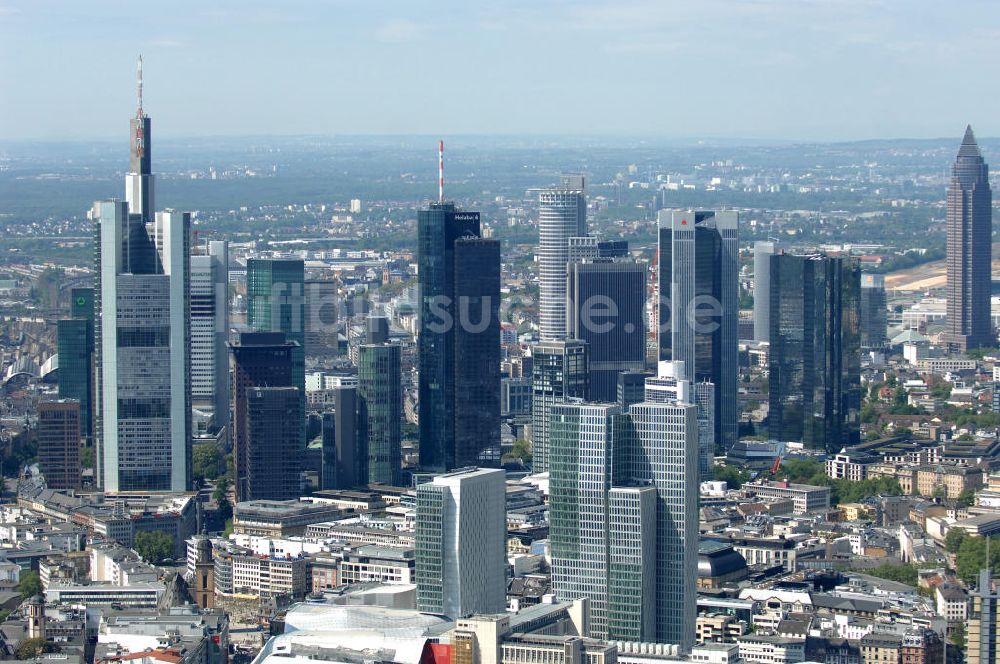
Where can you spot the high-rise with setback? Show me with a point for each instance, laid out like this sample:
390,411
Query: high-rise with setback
141,340
459,341
698,287
562,214
969,228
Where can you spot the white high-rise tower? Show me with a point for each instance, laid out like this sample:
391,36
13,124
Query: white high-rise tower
562,214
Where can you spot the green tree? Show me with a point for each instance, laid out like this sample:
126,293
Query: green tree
221,498
154,545
87,457
958,636
521,450
967,498
953,540
206,461
32,648
731,475
29,585
971,557
907,574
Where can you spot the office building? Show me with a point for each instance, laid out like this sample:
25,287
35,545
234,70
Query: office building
345,457
562,214
631,388
515,397
969,228
461,543
762,252
276,303
209,332
273,451
699,304
660,442
671,385
380,411
873,312
477,353
984,622
458,342
559,372
75,342
142,332
605,307
256,359
59,443
814,363
602,537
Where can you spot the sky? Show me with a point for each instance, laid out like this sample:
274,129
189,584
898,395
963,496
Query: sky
801,70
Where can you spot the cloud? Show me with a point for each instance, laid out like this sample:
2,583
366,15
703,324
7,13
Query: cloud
400,31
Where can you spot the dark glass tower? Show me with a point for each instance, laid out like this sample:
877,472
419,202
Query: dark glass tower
380,411
873,312
257,359
276,303
605,307
559,373
814,365
970,232
273,453
699,304
75,339
344,461
448,272
477,353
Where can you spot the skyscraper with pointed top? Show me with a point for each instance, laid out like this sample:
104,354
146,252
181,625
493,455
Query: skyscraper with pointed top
970,231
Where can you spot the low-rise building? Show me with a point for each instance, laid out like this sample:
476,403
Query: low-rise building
805,498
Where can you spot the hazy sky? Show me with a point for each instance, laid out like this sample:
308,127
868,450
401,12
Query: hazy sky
790,69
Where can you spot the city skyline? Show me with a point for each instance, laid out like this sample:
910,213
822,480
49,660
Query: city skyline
798,68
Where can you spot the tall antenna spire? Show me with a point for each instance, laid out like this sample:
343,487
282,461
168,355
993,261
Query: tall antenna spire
440,171
139,113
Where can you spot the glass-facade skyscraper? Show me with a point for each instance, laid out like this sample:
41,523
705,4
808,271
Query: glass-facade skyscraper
969,228
459,339
623,524
142,335
873,312
814,363
461,543
699,304
209,332
559,372
276,303
380,411
75,341
562,214
606,304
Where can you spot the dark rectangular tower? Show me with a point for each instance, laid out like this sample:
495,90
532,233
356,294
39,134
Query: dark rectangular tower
815,360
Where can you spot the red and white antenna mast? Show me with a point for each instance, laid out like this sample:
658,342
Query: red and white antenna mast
440,171
139,89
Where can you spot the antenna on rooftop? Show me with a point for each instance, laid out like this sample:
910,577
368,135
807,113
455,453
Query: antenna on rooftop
440,171
139,88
